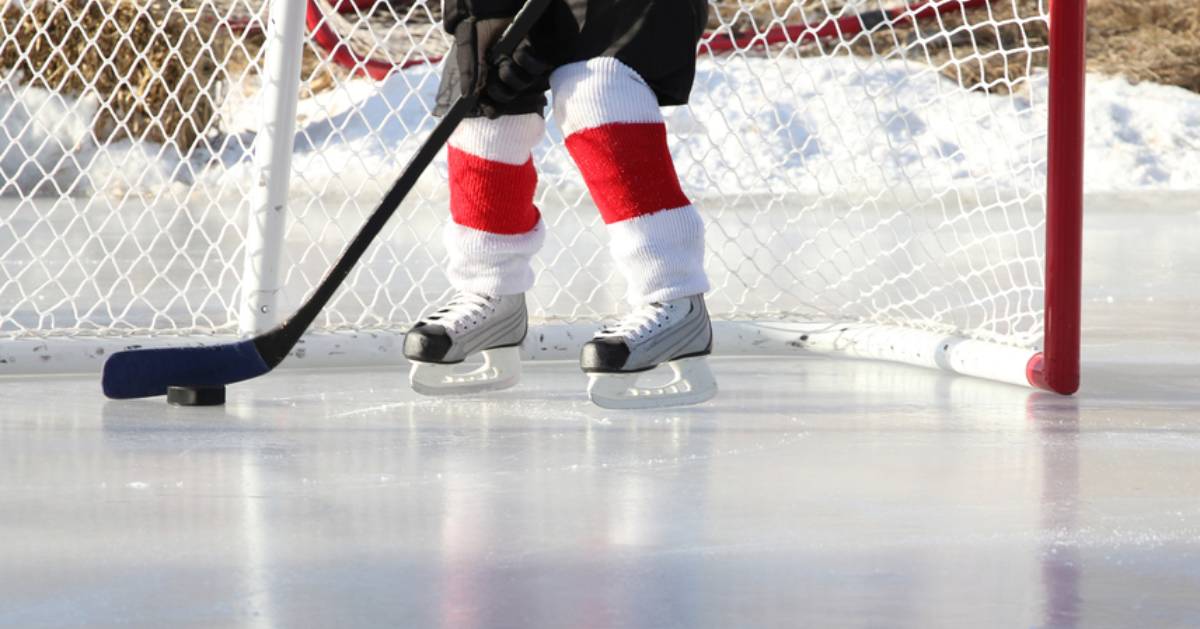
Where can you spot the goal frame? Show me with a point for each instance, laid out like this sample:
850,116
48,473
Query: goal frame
1055,367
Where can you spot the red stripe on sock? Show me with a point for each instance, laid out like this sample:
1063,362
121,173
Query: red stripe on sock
628,169
493,197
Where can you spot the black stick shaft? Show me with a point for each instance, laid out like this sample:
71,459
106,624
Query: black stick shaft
275,345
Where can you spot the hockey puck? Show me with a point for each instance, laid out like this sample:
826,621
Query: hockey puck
196,396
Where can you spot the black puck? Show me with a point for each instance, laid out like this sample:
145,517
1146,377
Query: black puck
196,396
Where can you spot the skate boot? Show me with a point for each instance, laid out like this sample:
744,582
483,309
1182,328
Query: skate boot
469,324
677,333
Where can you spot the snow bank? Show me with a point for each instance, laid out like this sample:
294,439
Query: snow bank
41,139
1141,137
47,149
805,126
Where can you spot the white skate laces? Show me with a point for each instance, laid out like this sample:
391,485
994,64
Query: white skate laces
463,312
686,340
641,323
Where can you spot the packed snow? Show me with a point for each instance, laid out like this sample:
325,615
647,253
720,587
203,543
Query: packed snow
802,126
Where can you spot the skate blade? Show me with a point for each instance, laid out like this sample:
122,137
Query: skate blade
501,369
692,382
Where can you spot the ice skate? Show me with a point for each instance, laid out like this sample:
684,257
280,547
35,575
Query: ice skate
677,333
470,324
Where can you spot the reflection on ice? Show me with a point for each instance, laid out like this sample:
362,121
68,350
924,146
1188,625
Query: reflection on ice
812,489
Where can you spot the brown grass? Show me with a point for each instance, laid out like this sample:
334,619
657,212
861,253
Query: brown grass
156,64
1143,40
151,62
1146,40
317,74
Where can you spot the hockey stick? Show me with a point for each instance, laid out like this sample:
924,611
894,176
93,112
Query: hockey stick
143,373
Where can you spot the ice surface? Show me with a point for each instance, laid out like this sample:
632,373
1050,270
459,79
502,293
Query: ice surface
811,493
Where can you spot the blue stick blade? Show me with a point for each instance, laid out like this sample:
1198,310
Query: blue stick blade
148,372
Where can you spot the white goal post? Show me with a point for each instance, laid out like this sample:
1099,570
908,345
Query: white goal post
880,179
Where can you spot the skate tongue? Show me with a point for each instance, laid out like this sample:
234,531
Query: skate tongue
471,298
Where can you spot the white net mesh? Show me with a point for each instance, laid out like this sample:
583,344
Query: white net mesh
893,174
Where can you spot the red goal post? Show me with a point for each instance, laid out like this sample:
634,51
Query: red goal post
1056,368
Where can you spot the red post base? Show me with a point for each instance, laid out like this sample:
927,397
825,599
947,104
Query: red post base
1041,376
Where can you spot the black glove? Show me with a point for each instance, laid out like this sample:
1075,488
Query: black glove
476,26
515,75
459,10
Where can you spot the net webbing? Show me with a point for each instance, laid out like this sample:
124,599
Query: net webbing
851,164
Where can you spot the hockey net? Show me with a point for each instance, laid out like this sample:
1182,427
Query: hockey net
858,163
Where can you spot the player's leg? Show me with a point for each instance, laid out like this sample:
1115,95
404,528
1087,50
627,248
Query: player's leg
494,231
615,133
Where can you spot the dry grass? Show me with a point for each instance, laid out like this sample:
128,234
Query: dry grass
366,39
157,64
151,62
1143,40
1146,40
316,73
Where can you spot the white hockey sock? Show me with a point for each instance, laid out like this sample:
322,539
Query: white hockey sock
495,228
616,135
